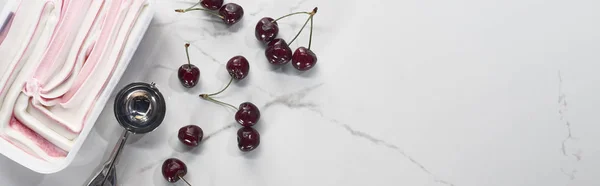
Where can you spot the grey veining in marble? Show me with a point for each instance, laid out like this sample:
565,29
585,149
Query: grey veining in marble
412,92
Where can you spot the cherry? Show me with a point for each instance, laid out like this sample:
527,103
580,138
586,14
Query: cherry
304,59
211,4
231,13
188,74
190,135
248,139
238,67
247,114
266,30
278,52
174,169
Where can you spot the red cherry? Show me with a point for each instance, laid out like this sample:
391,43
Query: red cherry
188,75
278,52
211,4
238,67
190,135
248,139
266,30
247,114
231,13
173,169
304,59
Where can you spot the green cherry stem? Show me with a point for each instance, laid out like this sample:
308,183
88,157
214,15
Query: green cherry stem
305,23
311,31
309,18
187,53
188,183
214,94
296,13
209,98
198,3
206,97
206,10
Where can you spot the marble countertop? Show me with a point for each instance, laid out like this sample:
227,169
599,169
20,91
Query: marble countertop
412,92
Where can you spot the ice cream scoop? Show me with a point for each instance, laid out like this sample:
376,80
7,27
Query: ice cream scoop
139,108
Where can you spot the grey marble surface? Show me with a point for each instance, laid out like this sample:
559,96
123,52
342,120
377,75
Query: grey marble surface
412,92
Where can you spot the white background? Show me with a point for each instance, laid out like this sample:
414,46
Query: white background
411,92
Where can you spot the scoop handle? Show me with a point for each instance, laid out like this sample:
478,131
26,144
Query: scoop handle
107,173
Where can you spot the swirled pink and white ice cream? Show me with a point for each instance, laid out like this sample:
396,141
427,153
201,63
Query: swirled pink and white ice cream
56,57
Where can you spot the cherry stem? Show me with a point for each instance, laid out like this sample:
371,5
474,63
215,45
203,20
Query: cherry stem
305,23
309,18
296,13
311,31
206,10
194,5
207,97
187,53
188,183
213,94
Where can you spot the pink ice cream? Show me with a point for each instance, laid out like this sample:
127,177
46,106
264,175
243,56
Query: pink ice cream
60,55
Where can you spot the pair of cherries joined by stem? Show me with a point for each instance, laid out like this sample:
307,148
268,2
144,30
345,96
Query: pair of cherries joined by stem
247,114
278,51
230,13
189,74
